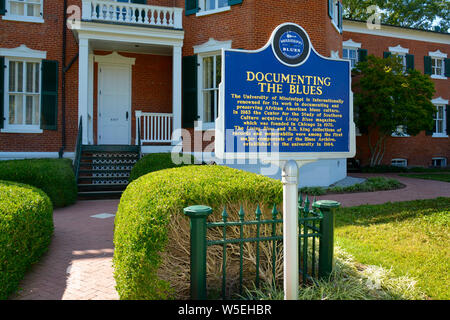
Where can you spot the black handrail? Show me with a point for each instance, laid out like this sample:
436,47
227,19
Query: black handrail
139,137
78,146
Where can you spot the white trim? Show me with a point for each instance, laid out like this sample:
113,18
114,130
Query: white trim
21,129
23,51
212,45
29,155
397,32
208,12
23,19
114,58
439,100
399,50
437,54
352,44
156,149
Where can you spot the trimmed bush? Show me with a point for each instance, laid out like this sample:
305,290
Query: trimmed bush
155,162
54,176
151,256
26,228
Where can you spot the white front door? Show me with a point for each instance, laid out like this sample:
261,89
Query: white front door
114,104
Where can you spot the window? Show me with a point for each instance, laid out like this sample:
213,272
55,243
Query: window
439,121
22,105
399,162
212,76
400,132
335,12
439,162
24,10
213,5
352,55
403,53
437,67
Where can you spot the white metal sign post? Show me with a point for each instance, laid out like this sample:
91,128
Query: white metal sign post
287,105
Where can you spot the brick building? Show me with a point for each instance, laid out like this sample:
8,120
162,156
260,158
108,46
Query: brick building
114,64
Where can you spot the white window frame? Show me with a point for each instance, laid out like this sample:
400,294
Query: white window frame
21,53
438,55
23,18
203,11
400,132
351,45
335,16
210,48
439,158
399,162
440,102
399,51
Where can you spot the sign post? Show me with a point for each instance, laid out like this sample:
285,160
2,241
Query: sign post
285,104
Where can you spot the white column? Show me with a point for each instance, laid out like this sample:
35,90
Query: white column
90,110
176,90
83,85
290,230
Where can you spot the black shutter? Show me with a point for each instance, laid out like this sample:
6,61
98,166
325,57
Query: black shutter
191,7
340,16
386,54
139,1
447,113
2,7
409,62
233,2
2,90
49,95
362,55
447,67
330,8
427,65
190,101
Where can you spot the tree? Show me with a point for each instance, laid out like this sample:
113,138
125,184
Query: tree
386,98
420,14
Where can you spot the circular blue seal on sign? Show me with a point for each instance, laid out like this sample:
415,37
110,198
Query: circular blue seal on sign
291,44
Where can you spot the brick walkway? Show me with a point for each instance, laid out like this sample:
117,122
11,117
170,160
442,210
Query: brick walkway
78,264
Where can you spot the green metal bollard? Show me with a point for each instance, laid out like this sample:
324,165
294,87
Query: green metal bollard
198,215
326,246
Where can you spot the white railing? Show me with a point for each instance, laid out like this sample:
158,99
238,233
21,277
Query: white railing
155,127
132,13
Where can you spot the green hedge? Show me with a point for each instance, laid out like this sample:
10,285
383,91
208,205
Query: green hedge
151,208
54,176
26,228
155,162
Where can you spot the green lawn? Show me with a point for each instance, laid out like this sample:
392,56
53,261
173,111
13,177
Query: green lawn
431,176
412,238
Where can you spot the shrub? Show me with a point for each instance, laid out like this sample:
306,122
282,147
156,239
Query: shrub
154,162
371,184
54,176
151,256
26,228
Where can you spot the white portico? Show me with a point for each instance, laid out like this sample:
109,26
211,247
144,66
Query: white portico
117,27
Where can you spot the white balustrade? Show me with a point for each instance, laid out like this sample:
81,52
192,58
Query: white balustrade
155,127
132,13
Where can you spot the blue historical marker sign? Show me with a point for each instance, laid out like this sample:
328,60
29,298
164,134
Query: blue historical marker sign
285,99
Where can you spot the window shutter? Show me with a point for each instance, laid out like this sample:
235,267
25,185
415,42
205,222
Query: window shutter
409,62
190,101
139,1
362,55
340,16
447,120
330,8
386,54
2,7
447,67
2,91
191,7
427,65
49,95
233,2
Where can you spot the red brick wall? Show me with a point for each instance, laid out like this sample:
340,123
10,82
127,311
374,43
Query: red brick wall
418,150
